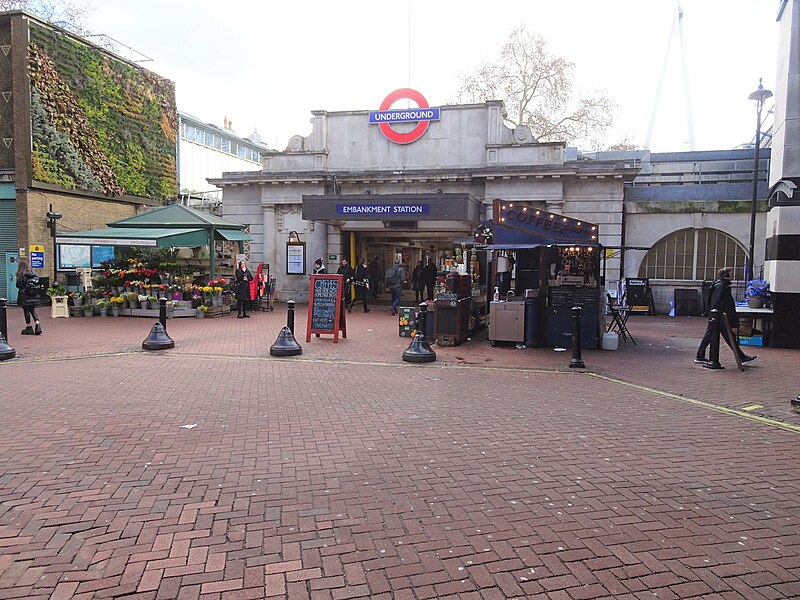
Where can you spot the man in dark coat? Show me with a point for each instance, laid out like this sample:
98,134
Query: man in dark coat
722,300
346,271
428,278
361,281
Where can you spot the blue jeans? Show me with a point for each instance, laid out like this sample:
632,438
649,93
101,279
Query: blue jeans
397,292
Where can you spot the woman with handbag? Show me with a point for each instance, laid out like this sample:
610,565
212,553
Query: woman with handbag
243,277
28,286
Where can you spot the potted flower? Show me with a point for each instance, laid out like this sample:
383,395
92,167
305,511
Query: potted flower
201,311
102,306
77,299
116,303
88,309
57,291
153,301
142,300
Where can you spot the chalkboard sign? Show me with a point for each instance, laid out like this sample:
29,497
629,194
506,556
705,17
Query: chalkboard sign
569,296
325,308
637,294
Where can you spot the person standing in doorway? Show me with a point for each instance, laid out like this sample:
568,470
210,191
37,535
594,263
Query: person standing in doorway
722,300
417,284
242,277
429,275
28,286
395,278
346,271
361,281
375,276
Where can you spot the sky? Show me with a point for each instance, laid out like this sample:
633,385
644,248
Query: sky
266,65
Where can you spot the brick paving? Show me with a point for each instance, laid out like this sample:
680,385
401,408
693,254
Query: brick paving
214,471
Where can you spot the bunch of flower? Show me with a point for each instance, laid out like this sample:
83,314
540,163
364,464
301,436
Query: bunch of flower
218,282
206,289
202,308
142,298
217,289
103,304
117,299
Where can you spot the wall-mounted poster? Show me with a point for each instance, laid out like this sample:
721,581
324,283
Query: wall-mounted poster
101,254
71,256
296,258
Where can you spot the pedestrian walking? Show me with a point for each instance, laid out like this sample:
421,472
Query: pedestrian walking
242,277
346,271
721,299
416,282
395,278
28,296
361,282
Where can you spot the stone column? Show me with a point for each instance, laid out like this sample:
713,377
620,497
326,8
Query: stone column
269,252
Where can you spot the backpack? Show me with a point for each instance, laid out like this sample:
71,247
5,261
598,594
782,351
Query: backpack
32,286
392,277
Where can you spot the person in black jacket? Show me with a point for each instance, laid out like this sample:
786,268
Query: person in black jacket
243,277
319,268
722,299
361,281
28,297
417,284
346,271
428,278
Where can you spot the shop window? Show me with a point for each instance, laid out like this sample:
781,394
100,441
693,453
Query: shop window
693,254
226,145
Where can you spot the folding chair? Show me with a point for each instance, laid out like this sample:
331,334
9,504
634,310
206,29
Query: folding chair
619,320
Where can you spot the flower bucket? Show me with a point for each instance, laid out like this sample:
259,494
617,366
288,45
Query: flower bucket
755,301
88,310
201,314
77,301
115,311
103,312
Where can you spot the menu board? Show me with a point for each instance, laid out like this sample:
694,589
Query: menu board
568,296
325,308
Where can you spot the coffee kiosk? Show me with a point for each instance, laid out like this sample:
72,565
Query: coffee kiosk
554,265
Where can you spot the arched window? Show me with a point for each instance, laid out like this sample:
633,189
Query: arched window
693,254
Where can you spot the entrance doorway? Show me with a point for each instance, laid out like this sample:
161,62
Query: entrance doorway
11,265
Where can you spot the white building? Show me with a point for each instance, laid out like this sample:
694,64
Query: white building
206,151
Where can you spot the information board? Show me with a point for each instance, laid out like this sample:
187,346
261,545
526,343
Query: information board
637,294
325,307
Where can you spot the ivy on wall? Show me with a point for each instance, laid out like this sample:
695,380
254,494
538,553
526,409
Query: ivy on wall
100,123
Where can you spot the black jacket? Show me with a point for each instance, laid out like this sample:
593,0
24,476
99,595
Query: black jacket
243,279
28,296
722,299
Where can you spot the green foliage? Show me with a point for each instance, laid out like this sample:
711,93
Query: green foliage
118,122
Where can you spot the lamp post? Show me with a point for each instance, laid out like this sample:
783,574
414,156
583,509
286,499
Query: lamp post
759,96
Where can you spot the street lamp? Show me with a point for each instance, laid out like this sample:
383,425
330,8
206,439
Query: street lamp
759,96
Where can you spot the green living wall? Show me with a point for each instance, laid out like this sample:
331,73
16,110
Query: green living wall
99,123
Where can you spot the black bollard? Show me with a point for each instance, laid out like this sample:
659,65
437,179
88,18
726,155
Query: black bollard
286,345
158,339
6,351
419,350
290,315
713,351
577,361
162,313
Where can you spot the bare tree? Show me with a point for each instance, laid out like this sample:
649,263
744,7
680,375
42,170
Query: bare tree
72,15
537,89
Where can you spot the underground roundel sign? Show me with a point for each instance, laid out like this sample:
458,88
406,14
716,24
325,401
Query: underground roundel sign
422,116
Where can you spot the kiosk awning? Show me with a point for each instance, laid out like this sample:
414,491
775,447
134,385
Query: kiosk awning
132,236
233,235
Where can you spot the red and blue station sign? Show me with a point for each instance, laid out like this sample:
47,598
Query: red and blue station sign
422,115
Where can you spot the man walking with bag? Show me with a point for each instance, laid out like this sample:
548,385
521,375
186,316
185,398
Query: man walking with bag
722,299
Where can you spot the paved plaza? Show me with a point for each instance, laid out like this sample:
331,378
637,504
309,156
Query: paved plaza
215,471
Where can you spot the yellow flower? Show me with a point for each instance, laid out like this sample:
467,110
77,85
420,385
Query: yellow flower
207,289
217,289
